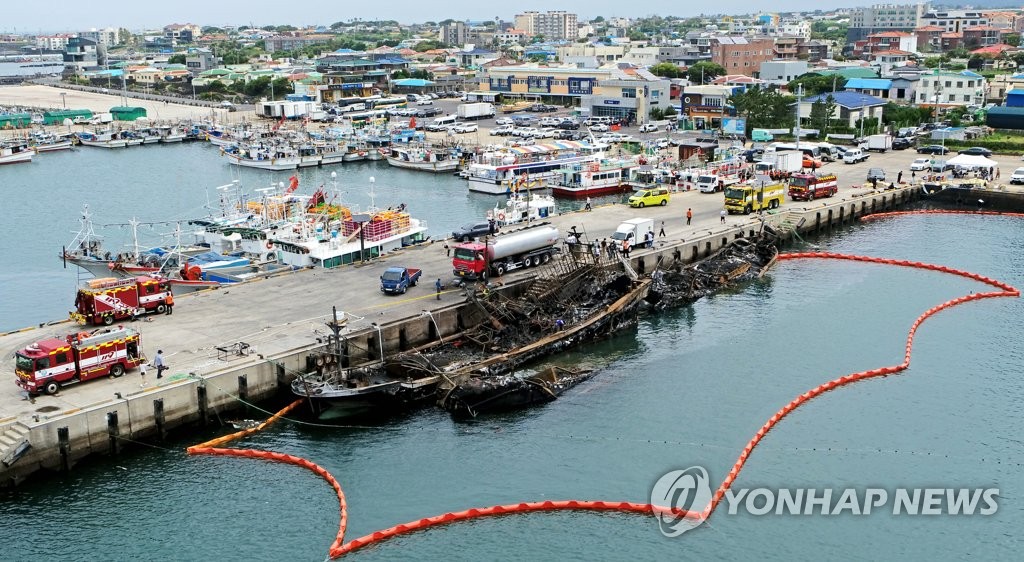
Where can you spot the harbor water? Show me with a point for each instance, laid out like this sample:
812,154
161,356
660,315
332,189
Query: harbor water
163,185
687,388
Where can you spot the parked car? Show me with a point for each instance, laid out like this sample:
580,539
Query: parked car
932,149
599,127
920,164
876,174
562,134
550,122
504,121
977,151
648,128
466,128
939,166
1017,176
502,130
901,143
568,124
854,155
425,101
548,133
470,231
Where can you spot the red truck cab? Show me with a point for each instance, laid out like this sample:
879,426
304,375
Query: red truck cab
469,260
48,364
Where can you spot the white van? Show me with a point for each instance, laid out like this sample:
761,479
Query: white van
439,123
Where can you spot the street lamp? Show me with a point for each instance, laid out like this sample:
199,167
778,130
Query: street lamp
64,99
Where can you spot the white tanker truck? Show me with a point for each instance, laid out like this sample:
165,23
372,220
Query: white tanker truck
495,255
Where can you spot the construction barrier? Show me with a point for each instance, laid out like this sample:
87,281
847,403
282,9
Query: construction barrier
340,547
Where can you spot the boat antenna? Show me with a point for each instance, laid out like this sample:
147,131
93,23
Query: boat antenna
373,205
134,224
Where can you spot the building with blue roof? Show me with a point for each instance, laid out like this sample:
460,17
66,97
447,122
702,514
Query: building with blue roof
878,87
850,107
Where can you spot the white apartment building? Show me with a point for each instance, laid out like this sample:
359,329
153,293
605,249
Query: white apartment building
53,42
883,17
554,25
103,37
954,21
780,72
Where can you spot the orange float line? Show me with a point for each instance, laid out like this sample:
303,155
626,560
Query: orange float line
890,214
339,547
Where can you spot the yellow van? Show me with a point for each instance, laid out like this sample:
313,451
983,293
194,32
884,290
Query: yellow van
649,197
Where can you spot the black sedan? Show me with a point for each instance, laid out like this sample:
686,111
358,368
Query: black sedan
471,231
900,143
932,149
977,151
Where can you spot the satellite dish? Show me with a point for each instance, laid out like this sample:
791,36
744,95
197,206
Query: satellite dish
68,122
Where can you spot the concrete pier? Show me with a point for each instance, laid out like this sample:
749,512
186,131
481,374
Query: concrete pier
281,320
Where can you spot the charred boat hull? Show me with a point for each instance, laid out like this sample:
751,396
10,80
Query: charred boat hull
485,395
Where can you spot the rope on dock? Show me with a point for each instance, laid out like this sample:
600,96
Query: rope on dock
340,548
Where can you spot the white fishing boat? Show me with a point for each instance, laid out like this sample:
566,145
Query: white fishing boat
150,135
43,141
422,159
507,169
269,158
523,208
16,153
103,139
171,134
593,178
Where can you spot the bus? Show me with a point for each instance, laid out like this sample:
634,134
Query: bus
389,103
366,117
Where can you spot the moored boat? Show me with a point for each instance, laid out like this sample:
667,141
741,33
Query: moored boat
590,179
422,159
507,169
483,395
16,153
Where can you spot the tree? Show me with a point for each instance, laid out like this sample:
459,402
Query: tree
176,59
282,87
670,112
764,107
1011,39
704,72
636,35
216,86
657,114
428,45
976,62
125,37
598,19
905,115
821,114
665,70
815,84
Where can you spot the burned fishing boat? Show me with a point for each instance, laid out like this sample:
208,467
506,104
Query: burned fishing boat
484,395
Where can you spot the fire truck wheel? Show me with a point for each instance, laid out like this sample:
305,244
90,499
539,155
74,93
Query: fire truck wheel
117,370
52,387
108,319
161,308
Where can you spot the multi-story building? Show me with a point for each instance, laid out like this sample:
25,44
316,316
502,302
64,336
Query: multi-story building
885,41
200,60
53,42
683,55
883,17
850,107
103,37
80,54
742,55
511,36
705,106
453,33
182,32
950,88
782,71
290,43
981,36
553,25
954,20
788,47
813,50
929,38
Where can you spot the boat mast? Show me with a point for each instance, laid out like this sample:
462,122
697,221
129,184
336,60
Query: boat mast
134,224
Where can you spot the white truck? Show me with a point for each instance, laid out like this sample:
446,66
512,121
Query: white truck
715,181
475,110
789,161
101,118
880,143
634,231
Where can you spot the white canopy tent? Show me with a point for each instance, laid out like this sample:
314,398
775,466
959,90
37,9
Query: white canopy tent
972,162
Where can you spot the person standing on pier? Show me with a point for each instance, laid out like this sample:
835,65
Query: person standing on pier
661,233
438,286
142,372
169,303
689,216
159,363
899,178
722,214
587,207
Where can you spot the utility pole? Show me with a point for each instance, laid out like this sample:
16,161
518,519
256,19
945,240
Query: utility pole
796,130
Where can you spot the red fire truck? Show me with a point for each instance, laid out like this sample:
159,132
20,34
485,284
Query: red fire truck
808,187
47,365
105,300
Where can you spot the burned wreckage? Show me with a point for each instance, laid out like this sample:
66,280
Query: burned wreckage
579,298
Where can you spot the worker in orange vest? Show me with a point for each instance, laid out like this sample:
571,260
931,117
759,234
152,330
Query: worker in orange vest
169,303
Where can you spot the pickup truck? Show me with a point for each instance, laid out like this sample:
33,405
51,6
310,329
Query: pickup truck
397,280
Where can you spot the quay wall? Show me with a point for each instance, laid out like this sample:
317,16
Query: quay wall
61,439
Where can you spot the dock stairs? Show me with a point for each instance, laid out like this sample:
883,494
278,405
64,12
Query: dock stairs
789,221
13,442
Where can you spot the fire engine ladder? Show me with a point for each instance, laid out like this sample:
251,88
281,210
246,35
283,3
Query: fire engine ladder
13,442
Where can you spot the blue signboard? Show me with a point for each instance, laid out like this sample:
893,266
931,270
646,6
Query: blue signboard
733,126
611,102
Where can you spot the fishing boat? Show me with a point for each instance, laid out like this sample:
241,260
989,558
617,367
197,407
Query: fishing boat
502,170
593,178
334,239
16,153
275,158
523,208
43,141
169,134
484,395
104,139
422,159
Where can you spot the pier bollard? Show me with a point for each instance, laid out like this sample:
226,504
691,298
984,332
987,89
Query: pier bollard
201,397
64,445
282,376
243,388
158,418
113,431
